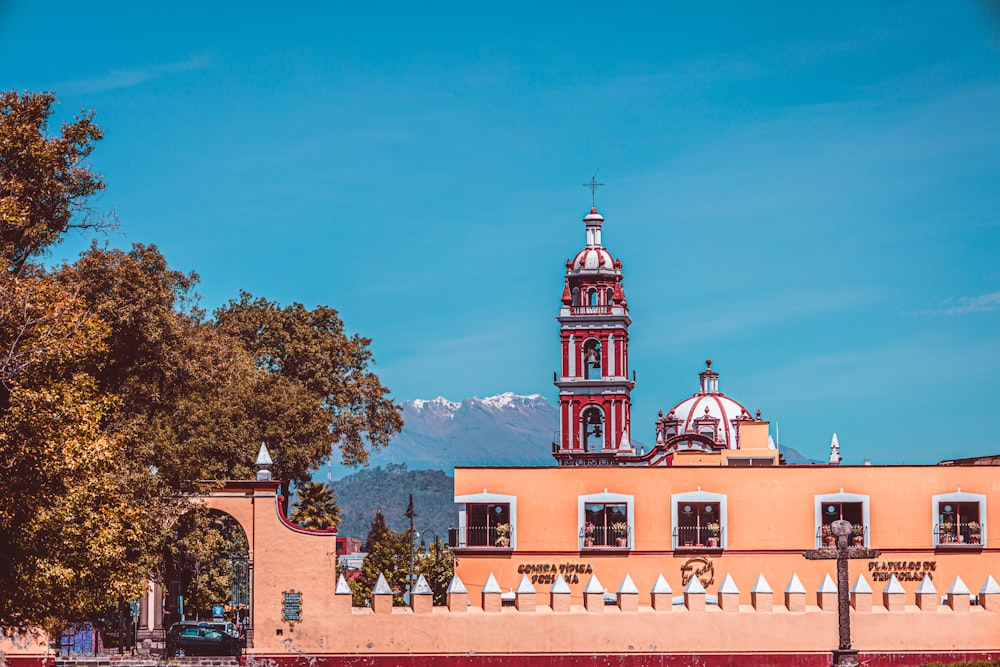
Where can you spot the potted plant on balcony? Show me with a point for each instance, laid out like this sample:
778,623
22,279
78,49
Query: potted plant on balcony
713,533
975,537
946,533
621,533
503,535
588,534
857,535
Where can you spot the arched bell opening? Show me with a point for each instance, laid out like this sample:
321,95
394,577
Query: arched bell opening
592,425
592,359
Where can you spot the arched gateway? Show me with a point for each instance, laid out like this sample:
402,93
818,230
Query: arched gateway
282,561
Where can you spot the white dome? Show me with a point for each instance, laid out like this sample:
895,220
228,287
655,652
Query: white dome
593,259
695,415
708,413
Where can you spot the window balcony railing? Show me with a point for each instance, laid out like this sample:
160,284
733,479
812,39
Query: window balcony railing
606,537
825,539
482,537
960,535
698,537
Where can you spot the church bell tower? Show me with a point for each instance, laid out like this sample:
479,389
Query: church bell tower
594,384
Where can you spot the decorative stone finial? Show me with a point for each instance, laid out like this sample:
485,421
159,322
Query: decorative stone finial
834,451
263,464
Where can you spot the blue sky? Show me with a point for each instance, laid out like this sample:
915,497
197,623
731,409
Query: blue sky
808,194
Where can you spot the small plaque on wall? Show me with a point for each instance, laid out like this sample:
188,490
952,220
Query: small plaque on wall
291,606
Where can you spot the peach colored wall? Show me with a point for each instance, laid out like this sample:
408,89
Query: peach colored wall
771,522
23,645
283,559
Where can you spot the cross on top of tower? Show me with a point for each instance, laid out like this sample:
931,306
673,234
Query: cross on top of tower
593,185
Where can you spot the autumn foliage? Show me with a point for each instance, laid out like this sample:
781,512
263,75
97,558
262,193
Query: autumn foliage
117,393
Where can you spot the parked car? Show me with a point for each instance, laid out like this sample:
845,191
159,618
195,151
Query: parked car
203,638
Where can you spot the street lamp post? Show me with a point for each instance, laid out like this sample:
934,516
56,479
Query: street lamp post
409,514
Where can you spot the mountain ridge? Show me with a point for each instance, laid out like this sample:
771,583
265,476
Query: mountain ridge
499,430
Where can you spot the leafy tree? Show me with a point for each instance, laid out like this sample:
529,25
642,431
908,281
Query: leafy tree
44,181
388,554
79,519
437,565
116,392
311,349
316,507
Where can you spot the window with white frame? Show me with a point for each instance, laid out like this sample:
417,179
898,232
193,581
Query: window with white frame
959,519
605,520
486,520
698,520
850,507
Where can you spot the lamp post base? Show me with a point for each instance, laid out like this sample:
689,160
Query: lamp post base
845,658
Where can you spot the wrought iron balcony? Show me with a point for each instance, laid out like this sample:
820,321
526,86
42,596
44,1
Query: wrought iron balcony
605,537
482,537
825,539
958,535
698,537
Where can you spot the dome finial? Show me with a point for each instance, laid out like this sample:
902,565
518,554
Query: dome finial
708,363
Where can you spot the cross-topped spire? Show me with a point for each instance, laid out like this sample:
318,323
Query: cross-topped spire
593,185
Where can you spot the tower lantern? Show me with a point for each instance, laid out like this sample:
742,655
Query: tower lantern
594,384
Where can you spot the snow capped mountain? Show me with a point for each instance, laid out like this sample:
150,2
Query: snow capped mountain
438,433
506,429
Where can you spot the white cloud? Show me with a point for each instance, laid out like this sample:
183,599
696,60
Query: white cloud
126,78
984,303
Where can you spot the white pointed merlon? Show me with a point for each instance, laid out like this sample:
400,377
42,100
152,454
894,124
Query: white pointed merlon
422,587
761,585
728,598
826,594
926,594
926,586
491,585
958,587
628,586
694,587
989,594
794,585
342,587
381,586
861,585
959,597
524,586
560,586
456,587
593,586
728,585
660,586
893,587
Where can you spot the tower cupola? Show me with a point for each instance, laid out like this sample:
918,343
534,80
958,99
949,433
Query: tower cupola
594,384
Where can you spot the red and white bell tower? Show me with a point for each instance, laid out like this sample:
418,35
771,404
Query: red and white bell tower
594,384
